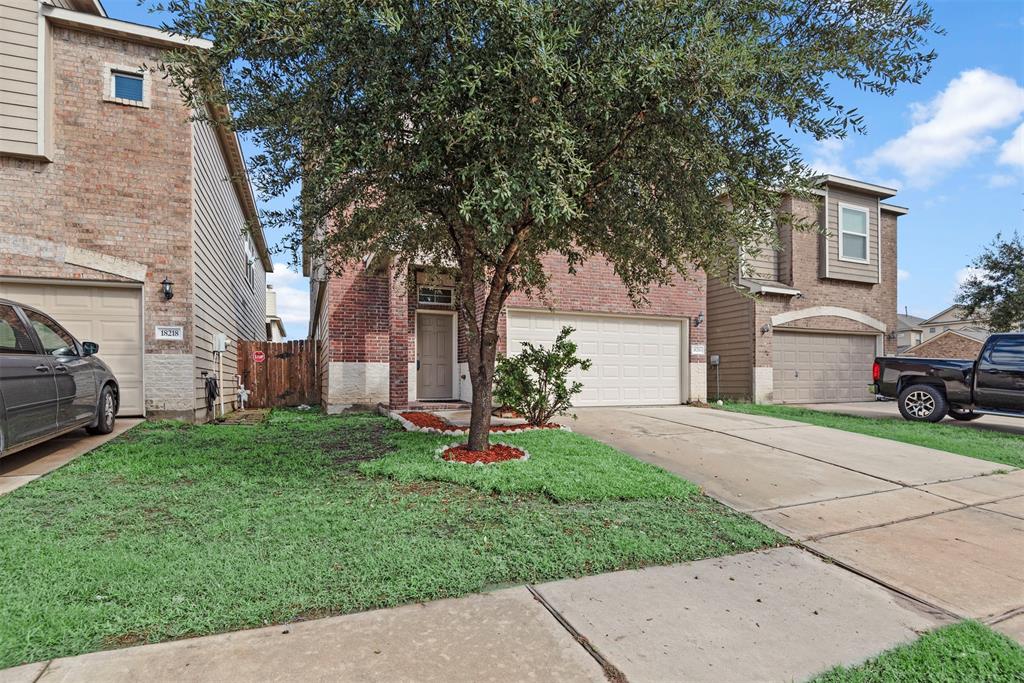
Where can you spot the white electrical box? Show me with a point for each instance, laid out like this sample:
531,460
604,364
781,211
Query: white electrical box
220,342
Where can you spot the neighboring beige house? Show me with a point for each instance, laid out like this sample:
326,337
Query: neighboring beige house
804,323
275,326
134,227
964,342
908,331
951,318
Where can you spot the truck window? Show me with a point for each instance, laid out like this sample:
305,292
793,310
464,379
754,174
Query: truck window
1007,352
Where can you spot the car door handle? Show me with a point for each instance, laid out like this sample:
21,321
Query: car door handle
42,368
60,368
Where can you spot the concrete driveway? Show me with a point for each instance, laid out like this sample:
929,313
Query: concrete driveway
992,423
944,529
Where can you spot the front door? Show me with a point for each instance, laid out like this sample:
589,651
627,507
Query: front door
433,356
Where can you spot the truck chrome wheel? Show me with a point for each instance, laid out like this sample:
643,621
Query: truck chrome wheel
920,404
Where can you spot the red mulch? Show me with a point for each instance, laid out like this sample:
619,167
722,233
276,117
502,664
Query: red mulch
495,453
421,419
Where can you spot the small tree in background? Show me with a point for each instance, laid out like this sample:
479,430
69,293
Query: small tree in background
535,382
995,290
484,134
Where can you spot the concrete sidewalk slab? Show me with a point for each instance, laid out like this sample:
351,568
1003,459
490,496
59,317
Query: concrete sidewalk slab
709,418
620,422
848,514
776,615
978,490
746,476
1012,627
1010,506
502,636
967,561
28,673
891,460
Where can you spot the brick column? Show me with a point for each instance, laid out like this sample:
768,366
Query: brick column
398,337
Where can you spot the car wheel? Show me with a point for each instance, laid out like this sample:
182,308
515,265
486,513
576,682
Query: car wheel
107,413
963,415
922,403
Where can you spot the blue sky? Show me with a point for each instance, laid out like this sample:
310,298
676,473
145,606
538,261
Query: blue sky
953,146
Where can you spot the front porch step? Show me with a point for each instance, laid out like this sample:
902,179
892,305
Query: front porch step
438,405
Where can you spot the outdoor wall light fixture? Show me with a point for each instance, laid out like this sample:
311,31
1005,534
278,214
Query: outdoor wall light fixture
698,320
168,289
766,328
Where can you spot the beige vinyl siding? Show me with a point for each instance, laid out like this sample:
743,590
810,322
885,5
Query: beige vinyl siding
761,263
19,77
318,287
224,300
848,270
730,321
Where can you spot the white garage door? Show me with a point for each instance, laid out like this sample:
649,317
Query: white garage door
637,361
821,368
109,316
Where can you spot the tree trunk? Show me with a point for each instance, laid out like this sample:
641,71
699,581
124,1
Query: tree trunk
483,351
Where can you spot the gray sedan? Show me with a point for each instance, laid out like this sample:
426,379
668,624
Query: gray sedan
50,383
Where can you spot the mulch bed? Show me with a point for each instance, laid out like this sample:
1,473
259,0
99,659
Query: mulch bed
496,452
429,421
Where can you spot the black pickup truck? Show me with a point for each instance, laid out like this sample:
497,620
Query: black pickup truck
928,389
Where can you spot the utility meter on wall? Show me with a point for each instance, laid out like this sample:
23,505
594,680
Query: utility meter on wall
220,342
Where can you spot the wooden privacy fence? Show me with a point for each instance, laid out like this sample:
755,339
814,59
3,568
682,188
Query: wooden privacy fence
279,374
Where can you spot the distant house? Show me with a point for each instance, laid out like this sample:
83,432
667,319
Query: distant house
132,225
952,318
275,326
964,342
908,332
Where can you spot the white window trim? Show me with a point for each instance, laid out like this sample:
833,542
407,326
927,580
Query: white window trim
108,84
865,235
249,254
420,302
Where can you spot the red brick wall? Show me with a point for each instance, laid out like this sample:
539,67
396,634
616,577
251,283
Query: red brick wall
947,346
597,289
358,318
802,251
120,181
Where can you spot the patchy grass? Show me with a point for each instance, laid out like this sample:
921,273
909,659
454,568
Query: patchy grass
566,467
174,530
962,652
975,443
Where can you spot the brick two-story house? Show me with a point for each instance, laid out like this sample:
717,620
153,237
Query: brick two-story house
803,323
394,338
108,191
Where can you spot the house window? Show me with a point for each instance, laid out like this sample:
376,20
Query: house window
126,85
436,295
853,234
931,330
250,263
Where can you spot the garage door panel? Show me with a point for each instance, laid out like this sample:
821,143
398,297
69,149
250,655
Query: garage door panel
821,367
636,361
109,316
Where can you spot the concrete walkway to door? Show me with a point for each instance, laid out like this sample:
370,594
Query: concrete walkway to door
944,529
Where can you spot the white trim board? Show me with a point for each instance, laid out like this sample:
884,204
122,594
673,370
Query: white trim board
835,311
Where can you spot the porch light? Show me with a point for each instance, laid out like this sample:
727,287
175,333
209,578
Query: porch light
699,319
168,289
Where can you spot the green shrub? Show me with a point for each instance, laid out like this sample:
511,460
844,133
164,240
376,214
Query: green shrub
535,383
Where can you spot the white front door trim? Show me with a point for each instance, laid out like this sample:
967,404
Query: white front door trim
836,311
455,350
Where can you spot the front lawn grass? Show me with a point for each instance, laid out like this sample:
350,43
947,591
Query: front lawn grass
175,530
975,443
966,651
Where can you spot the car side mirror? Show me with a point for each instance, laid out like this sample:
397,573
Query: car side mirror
90,348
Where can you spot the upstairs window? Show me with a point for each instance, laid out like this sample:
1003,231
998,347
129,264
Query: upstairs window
439,296
853,234
250,263
126,85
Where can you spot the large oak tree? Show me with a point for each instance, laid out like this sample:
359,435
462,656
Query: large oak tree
481,135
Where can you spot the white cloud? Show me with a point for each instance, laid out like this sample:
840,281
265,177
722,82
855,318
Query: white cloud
965,274
828,158
1012,151
998,180
953,127
902,275
292,299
